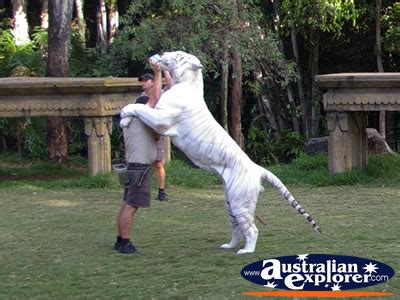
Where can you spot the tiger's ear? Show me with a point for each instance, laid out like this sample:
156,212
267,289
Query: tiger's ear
197,66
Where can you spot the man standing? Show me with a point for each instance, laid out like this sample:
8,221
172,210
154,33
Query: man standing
141,151
147,81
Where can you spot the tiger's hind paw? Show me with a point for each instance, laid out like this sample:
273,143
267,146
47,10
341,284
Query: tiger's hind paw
244,251
227,246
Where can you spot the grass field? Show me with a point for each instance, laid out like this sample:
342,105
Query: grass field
57,242
57,227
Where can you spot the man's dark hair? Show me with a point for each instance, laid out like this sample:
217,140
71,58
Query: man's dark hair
142,99
146,76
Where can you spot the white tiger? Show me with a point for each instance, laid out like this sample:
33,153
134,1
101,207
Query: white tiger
182,114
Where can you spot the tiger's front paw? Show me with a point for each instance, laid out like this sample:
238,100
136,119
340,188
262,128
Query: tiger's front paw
125,122
128,111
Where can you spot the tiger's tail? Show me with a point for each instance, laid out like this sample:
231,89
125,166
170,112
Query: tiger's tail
275,181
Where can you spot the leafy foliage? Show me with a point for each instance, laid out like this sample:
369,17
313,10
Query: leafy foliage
391,21
265,150
19,60
313,170
199,27
117,141
34,138
325,15
384,166
7,129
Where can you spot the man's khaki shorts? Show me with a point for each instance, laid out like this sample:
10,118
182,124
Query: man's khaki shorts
137,192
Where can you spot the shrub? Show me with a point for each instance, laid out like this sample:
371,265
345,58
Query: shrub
265,150
309,163
34,138
384,166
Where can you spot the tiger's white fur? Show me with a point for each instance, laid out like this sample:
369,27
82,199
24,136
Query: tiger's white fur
182,114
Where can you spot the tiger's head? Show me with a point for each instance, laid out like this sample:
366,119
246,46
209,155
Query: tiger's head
181,65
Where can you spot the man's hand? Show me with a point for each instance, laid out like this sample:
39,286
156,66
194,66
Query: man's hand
154,66
155,92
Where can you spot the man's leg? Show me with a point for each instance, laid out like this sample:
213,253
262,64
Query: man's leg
125,220
160,171
124,224
160,174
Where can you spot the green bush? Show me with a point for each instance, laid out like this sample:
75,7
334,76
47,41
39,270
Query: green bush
384,166
309,163
117,141
314,170
34,139
265,150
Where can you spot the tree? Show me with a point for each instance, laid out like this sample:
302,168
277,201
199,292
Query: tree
379,63
101,21
237,77
289,90
44,15
215,33
309,18
80,20
60,15
112,20
224,83
378,37
20,29
391,25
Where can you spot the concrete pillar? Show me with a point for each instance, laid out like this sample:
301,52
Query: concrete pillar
347,144
98,130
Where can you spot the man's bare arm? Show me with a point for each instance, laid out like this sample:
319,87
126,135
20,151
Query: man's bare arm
155,92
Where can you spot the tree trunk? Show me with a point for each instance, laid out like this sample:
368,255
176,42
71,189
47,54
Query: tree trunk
265,106
236,105
378,35
382,114
20,27
292,103
101,21
314,89
113,20
224,84
81,20
300,82
60,14
44,15
289,90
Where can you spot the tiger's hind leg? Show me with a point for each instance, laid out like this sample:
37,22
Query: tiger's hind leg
250,231
237,234
241,197
244,210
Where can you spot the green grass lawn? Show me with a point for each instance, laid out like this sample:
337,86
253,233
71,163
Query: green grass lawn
57,227
57,242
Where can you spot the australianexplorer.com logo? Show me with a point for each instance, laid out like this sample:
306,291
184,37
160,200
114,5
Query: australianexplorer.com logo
317,274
